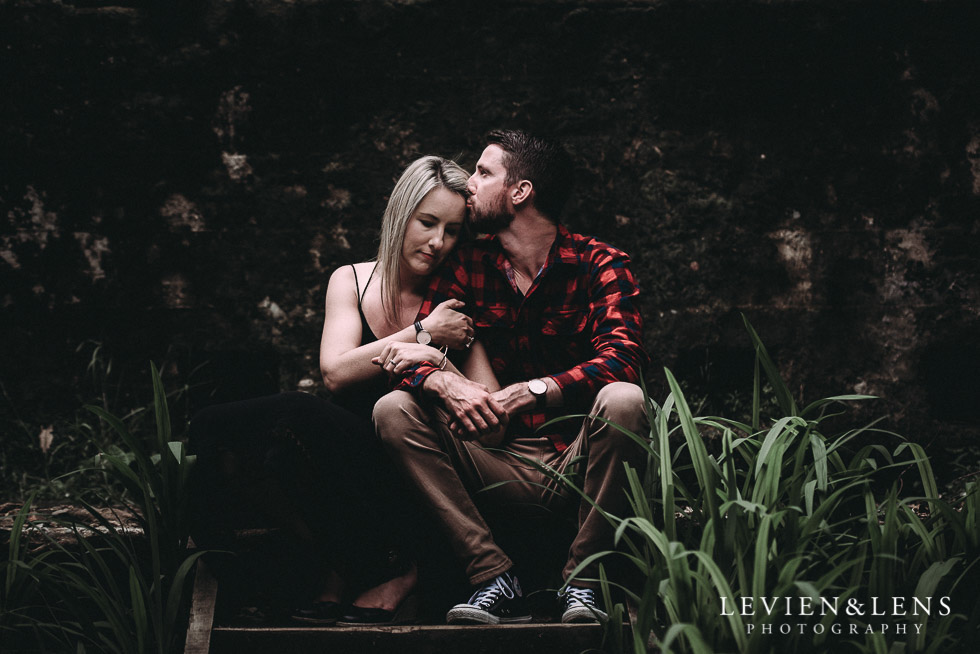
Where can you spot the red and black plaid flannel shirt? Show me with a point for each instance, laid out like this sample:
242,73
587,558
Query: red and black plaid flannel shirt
578,323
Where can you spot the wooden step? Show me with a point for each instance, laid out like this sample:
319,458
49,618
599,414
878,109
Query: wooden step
206,637
421,639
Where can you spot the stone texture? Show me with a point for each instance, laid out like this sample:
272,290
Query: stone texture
179,178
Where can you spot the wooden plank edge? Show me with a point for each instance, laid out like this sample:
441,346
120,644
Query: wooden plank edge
201,621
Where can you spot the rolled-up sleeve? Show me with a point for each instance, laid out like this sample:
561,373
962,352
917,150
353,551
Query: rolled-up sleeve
616,329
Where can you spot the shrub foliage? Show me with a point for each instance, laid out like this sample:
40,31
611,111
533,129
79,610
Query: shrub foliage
107,590
810,528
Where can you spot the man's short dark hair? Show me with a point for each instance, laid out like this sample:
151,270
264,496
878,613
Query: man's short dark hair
542,162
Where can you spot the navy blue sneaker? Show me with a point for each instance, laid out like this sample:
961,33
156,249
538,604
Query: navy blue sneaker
500,601
581,606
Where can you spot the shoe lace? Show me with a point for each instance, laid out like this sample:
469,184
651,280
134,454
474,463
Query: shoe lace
583,596
489,594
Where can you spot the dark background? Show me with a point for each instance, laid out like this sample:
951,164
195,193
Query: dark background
179,178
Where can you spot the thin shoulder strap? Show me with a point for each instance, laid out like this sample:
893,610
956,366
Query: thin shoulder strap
357,284
368,283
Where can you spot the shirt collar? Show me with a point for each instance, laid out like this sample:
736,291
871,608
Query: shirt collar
562,248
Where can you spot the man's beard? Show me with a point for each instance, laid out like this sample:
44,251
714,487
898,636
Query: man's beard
491,219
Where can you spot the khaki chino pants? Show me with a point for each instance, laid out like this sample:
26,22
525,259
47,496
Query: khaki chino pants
447,473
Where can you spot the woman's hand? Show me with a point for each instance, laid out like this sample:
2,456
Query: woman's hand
397,357
448,326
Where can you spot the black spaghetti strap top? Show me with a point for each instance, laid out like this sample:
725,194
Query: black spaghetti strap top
360,398
367,334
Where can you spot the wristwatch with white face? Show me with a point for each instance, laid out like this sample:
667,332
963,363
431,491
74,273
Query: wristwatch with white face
539,389
421,336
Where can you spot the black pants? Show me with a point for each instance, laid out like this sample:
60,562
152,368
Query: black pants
309,467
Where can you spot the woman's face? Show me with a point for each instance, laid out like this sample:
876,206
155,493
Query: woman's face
433,230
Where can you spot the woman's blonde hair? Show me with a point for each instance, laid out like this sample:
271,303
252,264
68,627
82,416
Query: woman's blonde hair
422,176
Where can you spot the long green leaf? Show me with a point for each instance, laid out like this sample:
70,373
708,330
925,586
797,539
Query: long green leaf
723,589
783,396
926,588
14,552
691,634
772,438
699,454
810,408
139,610
819,459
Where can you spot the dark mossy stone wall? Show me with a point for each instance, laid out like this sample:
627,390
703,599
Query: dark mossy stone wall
179,178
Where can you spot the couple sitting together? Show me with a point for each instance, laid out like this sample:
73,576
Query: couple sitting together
483,344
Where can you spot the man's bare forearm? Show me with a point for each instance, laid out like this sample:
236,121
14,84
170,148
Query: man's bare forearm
517,398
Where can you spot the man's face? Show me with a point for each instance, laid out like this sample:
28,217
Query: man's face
489,209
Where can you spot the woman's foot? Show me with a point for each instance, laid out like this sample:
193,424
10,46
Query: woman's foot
332,590
390,594
327,607
389,603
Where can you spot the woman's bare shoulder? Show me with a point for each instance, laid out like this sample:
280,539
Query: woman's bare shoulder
344,279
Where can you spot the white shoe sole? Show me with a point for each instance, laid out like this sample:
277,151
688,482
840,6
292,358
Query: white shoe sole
468,614
583,614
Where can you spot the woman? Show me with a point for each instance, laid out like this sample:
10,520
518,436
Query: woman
315,466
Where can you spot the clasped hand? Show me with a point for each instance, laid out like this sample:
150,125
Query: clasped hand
397,357
474,412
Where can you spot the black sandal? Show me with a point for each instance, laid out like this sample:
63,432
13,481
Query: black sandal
406,613
325,613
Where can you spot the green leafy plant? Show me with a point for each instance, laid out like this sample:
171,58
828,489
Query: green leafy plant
41,446
781,509
108,589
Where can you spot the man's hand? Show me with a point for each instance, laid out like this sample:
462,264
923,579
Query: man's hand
473,410
515,398
518,398
449,326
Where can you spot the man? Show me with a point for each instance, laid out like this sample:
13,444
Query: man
556,314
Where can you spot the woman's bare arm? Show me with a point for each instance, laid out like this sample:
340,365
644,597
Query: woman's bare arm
477,367
343,360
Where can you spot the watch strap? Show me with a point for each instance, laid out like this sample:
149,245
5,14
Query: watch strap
540,399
